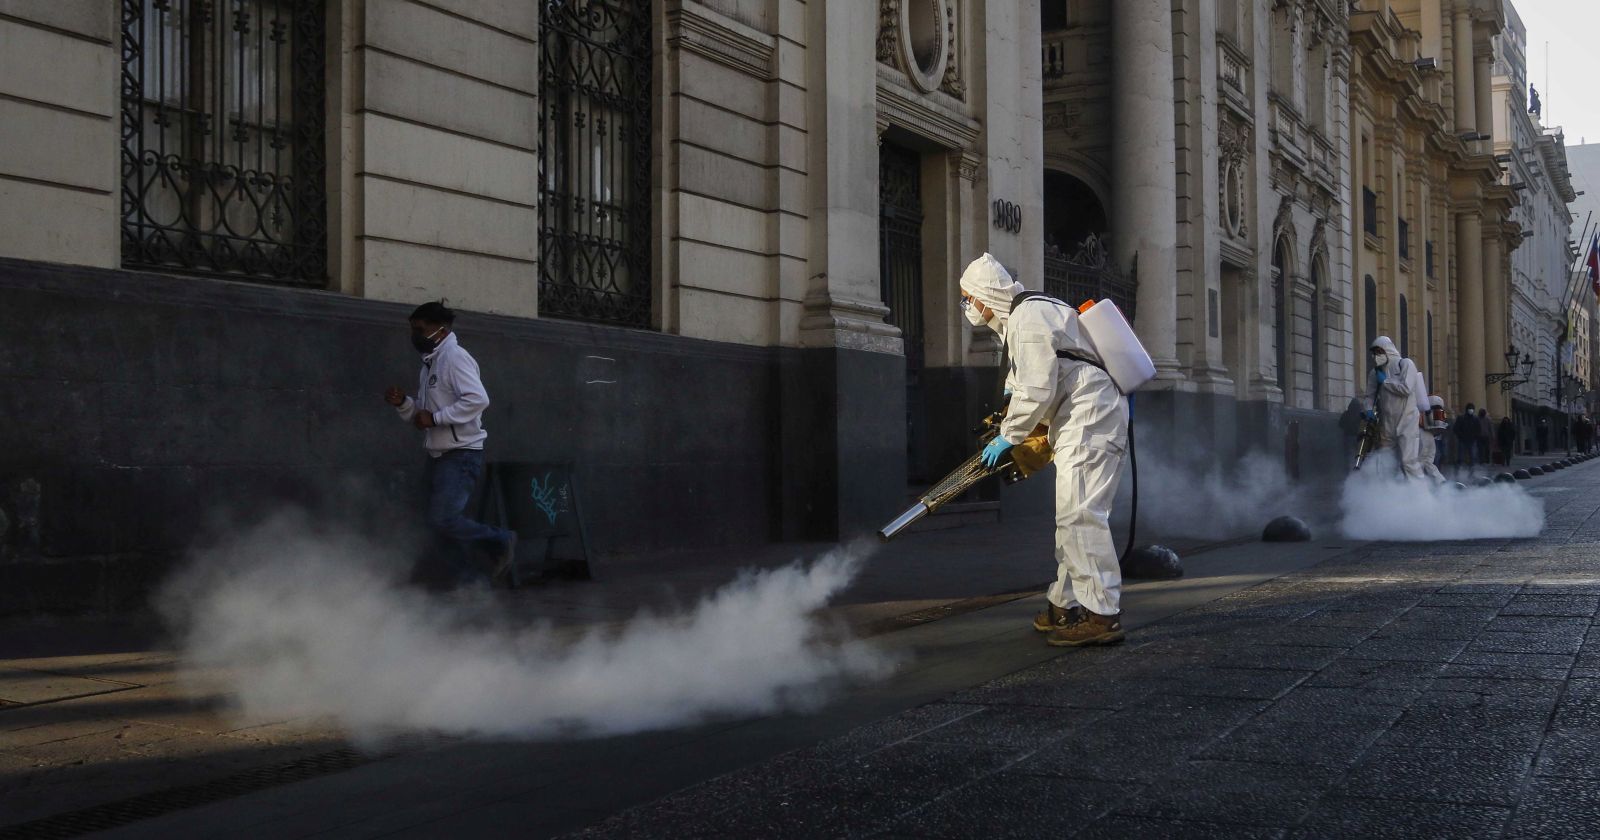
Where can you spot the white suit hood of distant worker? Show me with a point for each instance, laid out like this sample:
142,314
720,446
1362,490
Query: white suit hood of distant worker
1396,391
1428,440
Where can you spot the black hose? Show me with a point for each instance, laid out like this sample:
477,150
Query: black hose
1133,463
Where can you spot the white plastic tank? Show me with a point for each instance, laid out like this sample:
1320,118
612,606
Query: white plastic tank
1117,346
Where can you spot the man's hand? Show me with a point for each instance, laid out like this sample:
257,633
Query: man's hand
995,449
423,419
394,397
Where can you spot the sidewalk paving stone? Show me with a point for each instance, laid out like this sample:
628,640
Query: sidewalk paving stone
1468,777
1390,689
1341,818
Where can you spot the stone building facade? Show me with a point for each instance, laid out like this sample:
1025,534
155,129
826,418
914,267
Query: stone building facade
1543,326
1433,220
1245,302
705,250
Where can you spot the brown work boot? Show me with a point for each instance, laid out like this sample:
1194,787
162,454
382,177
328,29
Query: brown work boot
1053,617
1087,628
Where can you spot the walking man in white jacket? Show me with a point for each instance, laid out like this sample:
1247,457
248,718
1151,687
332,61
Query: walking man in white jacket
448,409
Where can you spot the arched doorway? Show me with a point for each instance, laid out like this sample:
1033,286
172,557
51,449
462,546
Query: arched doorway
1072,211
900,277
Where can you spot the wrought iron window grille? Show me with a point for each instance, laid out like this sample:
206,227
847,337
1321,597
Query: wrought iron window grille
1087,274
594,161
223,161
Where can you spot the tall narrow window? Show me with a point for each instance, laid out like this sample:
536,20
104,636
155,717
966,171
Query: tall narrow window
594,161
1369,294
1431,384
1405,330
1319,376
1280,314
222,138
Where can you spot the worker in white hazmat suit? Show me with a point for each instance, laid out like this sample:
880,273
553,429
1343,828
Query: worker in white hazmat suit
1428,440
1054,382
1398,397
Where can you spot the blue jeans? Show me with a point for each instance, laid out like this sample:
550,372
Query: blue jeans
451,478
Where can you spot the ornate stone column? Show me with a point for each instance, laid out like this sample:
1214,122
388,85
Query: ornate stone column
1469,268
1496,305
842,393
1461,63
1483,88
1145,206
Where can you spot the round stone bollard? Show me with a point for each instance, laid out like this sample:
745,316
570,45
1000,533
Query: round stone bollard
1505,478
1485,481
1535,471
1152,562
1522,475
1286,529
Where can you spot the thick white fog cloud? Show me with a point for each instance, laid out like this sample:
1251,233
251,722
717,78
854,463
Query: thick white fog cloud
317,624
1378,505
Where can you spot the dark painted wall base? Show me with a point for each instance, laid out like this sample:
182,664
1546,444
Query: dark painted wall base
146,411
142,408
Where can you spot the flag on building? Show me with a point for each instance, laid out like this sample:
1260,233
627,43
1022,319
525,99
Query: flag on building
1594,264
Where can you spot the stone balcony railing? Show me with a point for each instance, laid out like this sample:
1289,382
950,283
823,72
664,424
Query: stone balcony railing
1054,63
1233,74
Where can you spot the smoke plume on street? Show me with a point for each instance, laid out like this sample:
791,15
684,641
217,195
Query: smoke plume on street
309,623
1378,505
1214,500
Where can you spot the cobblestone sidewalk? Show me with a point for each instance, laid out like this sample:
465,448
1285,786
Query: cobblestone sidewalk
1406,690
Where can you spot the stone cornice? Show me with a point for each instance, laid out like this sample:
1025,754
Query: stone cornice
923,114
694,28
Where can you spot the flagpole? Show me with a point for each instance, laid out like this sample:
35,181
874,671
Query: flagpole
1571,293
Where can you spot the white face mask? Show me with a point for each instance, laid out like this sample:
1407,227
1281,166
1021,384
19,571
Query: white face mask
1380,359
974,317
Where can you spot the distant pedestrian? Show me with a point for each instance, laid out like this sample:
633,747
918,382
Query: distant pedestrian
448,409
1508,438
1465,431
1541,432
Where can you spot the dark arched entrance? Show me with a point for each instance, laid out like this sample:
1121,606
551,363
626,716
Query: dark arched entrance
1072,211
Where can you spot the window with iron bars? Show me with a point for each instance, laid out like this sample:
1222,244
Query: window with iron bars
223,163
594,161
1369,211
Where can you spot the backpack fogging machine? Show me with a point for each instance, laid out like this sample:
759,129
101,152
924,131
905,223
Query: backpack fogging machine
1116,350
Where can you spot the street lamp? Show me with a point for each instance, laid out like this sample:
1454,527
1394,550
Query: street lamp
1511,369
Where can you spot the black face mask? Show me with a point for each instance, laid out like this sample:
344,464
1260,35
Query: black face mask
424,344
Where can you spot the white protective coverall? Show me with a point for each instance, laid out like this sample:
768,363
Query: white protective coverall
1088,422
1400,402
1427,441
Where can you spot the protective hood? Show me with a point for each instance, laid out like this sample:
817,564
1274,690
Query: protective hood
988,281
1383,343
1436,401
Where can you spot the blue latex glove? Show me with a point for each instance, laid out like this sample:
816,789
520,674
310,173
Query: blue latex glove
1008,392
1369,414
1382,376
996,448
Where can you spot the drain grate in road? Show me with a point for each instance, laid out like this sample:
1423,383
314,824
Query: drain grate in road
133,809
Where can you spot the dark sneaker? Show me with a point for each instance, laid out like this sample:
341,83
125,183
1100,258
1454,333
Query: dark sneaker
1053,617
506,563
1087,628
